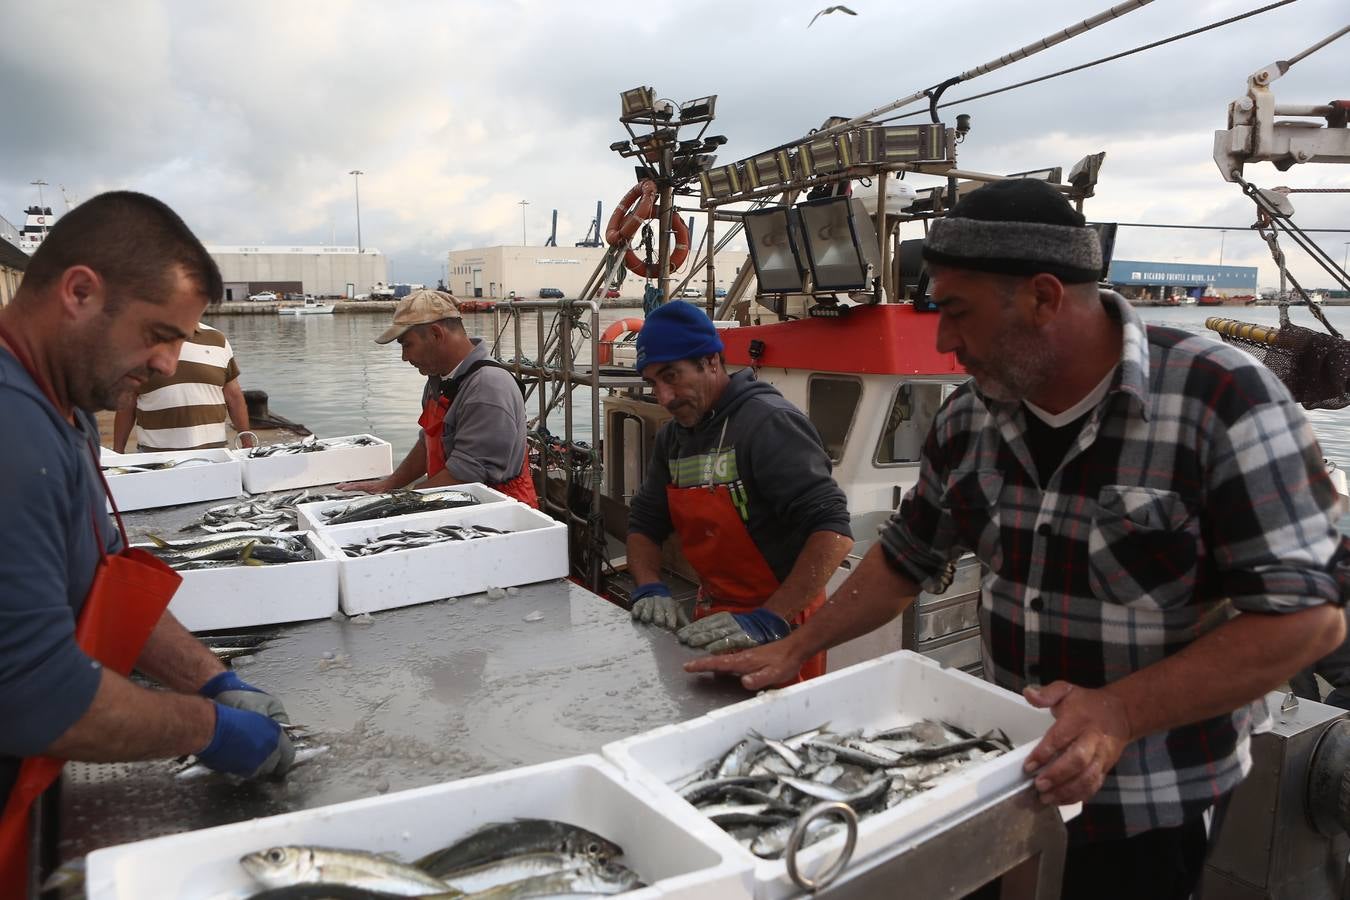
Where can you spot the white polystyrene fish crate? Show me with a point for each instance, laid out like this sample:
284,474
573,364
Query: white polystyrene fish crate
310,516
190,483
889,691
287,471
670,848
535,550
243,595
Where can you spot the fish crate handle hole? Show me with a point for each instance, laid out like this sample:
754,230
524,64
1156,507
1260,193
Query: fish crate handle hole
836,868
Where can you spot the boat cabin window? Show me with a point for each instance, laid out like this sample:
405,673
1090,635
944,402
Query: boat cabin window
831,402
915,406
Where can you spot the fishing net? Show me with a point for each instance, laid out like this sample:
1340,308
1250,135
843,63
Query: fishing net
1314,365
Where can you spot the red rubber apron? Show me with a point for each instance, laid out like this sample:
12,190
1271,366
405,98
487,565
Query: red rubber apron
733,575
432,421
125,601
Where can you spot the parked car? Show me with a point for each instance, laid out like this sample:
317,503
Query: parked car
550,293
720,292
690,294
263,297
612,294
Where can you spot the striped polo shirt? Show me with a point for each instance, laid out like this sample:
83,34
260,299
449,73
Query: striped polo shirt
186,411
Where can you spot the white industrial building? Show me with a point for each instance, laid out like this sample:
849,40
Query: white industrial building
322,271
499,271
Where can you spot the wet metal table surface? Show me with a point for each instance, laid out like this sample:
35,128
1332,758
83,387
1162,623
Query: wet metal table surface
418,696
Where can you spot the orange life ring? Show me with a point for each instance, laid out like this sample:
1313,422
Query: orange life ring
606,350
638,267
634,209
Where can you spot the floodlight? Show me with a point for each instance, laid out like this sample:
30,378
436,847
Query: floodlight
619,146
639,101
901,143
840,242
1084,173
768,169
820,156
700,110
715,140
724,181
689,166
775,249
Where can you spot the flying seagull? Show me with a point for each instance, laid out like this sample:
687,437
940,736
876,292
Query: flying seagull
827,10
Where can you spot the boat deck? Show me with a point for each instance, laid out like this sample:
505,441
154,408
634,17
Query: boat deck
420,695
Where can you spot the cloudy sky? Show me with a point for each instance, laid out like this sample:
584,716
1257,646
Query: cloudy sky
247,116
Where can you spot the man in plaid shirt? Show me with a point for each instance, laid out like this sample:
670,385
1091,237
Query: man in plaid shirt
1156,522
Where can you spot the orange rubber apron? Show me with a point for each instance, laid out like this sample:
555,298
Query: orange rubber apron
432,421
734,577
125,601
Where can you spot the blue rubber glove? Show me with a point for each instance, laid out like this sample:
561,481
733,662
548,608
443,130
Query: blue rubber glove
248,744
653,605
231,690
724,632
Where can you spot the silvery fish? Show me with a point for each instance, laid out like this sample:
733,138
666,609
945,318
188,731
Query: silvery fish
282,866
500,840
610,878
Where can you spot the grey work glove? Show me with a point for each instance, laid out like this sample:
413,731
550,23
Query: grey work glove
724,632
229,689
653,605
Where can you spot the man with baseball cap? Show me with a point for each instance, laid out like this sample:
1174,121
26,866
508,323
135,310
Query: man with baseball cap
473,410
1157,523
742,477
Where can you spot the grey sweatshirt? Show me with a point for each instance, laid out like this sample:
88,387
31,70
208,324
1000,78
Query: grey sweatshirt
772,460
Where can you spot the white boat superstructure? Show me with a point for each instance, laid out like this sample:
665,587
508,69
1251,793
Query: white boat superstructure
38,220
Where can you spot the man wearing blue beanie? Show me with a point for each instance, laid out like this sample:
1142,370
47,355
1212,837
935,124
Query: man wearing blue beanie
742,477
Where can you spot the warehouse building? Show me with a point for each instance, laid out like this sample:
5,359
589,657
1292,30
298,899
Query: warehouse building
500,271
321,271
1144,280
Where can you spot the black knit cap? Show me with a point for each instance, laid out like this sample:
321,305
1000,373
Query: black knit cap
1016,227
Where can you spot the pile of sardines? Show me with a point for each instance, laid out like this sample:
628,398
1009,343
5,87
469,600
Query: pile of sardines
757,790
259,548
397,503
270,512
311,444
412,539
514,860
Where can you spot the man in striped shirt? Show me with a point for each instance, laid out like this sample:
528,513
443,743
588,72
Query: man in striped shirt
186,410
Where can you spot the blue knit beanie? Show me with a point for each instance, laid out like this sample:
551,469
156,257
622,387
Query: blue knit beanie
676,330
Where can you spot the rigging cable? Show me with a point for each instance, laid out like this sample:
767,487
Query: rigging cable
1105,59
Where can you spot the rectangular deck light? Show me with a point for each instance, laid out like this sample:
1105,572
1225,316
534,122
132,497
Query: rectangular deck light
775,251
841,244
769,169
639,101
884,144
701,110
821,156
723,181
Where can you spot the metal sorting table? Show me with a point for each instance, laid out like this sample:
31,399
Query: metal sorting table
460,687
418,696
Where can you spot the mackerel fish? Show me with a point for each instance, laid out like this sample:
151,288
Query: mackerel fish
280,867
502,840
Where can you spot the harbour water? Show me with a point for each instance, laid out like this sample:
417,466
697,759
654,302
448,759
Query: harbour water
327,372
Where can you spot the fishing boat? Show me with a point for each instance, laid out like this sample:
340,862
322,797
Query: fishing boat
311,307
844,329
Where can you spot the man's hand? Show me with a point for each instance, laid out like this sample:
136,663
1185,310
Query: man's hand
759,668
247,744
1091,730
724,632
229,689
376,486
653,605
